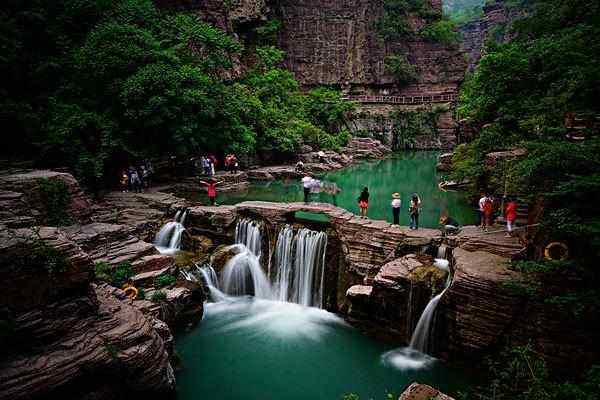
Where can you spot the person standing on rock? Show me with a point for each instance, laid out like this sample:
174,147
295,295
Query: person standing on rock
482,200
396,204
510,214
307,183
413,210
363,202
211,189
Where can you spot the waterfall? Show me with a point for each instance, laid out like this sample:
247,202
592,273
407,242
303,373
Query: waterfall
421,337
309,261
284,262
441,252
247,232
168,239
209,275
243,275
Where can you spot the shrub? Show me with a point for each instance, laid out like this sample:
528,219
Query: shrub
141,295
121,274
164,280
56,198
443,31
159,296
102,271
401,68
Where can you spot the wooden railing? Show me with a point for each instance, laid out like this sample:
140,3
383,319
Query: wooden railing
437,98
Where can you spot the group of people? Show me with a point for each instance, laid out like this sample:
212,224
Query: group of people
209,164
414,207
136,179
490,209
231,163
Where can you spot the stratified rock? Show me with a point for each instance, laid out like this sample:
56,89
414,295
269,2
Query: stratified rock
365,148
66,337
484,310
22,192
419,391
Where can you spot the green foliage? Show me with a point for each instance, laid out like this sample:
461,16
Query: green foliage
401,68
94,83
159,296
121,274
164,280
267,33
117,277
394,24
463,11
56,198
519,374
408,124
102,271
443,31
141,294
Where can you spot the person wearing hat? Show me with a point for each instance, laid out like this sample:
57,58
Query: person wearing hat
396,203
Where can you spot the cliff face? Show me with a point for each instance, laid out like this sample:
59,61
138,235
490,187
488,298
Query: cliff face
337,43
495,24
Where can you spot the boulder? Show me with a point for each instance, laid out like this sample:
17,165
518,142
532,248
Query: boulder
492,159
419,391
444,163
24,192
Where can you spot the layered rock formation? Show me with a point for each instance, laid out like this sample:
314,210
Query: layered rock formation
65,337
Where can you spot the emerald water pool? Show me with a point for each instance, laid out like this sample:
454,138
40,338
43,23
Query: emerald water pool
405,173
256,349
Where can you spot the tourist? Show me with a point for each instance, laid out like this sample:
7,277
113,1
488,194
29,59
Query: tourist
510,214
307,182
449,225
227,162
124,182
396,204
488,210
150,173
413,210
136,183
143,173
234,164
205,165
363,202
482,200
299,166
211,189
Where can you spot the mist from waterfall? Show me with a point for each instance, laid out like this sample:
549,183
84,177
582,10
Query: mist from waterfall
168,239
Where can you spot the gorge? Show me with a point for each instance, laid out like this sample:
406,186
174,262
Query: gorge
128,117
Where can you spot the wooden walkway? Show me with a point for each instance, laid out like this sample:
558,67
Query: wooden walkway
437,98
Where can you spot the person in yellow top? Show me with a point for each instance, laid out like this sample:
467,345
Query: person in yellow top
124,182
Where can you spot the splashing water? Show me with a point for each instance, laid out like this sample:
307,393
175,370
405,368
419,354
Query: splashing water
243,275
168,239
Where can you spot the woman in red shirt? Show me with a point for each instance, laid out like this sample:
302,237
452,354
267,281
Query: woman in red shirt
211,188
510,214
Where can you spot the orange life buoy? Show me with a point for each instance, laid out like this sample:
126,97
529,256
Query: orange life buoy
556,251
131,292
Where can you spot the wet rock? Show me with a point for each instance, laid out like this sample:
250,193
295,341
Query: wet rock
146,278
365,148
419,391
222,255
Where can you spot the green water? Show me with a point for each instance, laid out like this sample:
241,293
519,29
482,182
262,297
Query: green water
404,173
259,350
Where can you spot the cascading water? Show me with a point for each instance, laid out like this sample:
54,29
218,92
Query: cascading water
243,275
284,262
168,239
421,337
247,232
309,261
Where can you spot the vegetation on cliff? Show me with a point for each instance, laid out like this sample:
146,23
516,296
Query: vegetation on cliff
525,93
94,84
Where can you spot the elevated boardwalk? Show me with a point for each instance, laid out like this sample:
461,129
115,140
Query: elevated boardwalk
408,100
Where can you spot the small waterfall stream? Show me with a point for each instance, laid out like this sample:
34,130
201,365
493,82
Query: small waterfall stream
284,261
309,263
423,333
247,232
168,239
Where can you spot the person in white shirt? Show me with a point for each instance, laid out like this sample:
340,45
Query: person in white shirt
482,202
307,183
396,204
